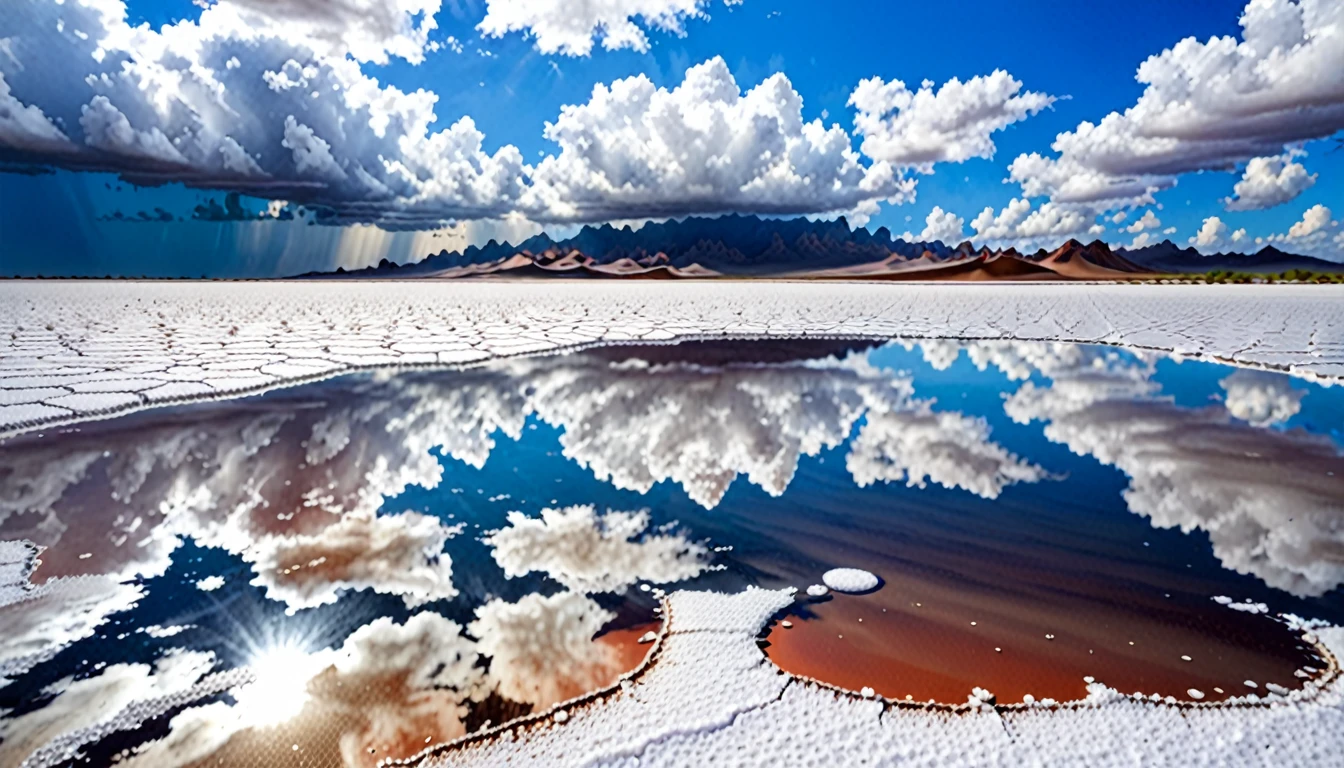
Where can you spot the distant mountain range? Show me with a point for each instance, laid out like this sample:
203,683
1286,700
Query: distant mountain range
1166,256
749,246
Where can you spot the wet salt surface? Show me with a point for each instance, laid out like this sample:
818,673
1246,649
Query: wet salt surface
385,562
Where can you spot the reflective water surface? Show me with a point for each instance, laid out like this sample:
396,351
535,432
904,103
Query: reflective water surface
351,570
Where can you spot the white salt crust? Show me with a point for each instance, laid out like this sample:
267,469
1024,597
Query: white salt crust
849,580
708,696
74,350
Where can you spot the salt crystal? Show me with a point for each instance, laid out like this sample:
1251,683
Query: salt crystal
849,580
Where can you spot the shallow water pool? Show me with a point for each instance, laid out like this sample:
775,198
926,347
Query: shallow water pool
355,569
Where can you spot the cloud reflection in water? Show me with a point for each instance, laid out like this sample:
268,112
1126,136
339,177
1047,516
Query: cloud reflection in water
304,489
1270,500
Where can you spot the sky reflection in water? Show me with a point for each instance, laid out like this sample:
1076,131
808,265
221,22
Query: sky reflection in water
399,559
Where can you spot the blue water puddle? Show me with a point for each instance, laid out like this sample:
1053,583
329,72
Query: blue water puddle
1046,482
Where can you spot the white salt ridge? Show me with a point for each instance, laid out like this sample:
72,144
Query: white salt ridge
710,697
117,330
849,580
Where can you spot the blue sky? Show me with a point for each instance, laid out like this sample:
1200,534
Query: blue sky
1084,54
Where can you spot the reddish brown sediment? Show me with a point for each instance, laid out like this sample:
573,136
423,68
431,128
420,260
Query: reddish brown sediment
1095,591
931,651
632,722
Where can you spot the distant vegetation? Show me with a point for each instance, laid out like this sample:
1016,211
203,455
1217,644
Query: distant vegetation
1224,276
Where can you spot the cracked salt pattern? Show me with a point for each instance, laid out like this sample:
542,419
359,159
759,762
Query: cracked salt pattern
71,351
708,694
706,699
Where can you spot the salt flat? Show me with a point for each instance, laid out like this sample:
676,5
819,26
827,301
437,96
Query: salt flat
77,350
709,697
81,350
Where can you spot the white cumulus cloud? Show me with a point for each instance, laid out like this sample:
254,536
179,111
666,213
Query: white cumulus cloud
1316,219
262,97
273,100
1149,220
1267,182
951,124
1141,240
571,28
23,126
940,225
1211,233
1207,105
704,146
1317,233
1022,226
367,30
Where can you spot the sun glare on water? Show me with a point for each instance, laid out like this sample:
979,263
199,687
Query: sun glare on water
280,687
